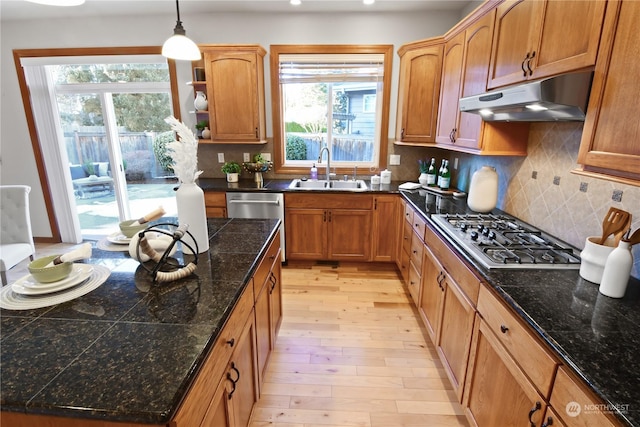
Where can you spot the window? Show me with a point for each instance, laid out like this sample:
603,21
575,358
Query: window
334,96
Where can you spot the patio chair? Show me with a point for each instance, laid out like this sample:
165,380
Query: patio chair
16,238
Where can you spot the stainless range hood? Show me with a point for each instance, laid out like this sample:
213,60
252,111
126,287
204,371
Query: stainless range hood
560,98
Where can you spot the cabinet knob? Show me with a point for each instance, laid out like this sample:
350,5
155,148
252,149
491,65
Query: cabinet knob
503,329
402,134
522,65
533,54
548,423
231,342
533,411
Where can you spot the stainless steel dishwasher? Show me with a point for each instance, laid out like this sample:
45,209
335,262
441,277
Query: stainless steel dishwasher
258,205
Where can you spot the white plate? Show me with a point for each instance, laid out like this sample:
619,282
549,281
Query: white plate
27,285
118,238
12,301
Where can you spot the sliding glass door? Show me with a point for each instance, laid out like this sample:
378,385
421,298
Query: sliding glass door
114,135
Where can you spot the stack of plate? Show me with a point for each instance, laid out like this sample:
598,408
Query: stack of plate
27,293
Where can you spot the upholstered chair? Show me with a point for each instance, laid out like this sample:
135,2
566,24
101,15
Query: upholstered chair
16,238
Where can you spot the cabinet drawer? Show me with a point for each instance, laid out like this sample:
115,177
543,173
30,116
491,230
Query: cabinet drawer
419,225
194,407
533,358
408,213
417,249
565,391
404,265
466,279
215,199
262,272
329,201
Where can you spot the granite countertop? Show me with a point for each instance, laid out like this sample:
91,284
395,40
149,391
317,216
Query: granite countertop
282,185
596,336
129,350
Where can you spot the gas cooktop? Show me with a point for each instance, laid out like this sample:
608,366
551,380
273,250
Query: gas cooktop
503,241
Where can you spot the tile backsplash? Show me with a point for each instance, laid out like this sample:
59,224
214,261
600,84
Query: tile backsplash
541,190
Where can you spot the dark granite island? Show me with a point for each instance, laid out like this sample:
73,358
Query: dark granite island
127,352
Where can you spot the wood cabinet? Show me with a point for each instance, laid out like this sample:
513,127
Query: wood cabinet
215,204
535,39
610,145
430,306
418,91
328,226
497,392
465,69
235,93
385,229
566,391
268,305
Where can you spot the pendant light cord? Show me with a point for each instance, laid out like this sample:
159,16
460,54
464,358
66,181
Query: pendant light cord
179,29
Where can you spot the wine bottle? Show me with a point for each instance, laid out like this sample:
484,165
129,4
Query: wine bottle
439,178
431,173
445,179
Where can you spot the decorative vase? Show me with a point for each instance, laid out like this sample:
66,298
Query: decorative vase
206,133
483,191
192,211
232,177
423,179
200,102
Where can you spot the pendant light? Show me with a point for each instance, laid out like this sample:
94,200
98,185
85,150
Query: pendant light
179,46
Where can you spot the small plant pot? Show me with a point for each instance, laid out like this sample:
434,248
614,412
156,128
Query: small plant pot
232,177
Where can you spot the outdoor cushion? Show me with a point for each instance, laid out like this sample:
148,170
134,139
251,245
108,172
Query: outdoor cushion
77,172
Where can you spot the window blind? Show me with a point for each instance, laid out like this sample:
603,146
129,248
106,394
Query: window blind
307,68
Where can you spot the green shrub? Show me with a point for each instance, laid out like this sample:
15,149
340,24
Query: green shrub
296,148
161,151
294,127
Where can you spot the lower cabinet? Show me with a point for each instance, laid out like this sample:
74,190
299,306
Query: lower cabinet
328,226
237,391
498,393
385,218
215,204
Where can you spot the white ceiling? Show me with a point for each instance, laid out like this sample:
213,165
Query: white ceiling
21,9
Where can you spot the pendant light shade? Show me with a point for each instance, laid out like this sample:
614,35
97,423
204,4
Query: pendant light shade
179,46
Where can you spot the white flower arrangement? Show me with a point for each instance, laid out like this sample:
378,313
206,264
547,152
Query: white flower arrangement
184,152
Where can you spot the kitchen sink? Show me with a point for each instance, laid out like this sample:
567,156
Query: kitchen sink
358,185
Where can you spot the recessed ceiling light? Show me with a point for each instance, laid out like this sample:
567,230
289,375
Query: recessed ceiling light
368,1
58,2
295,2
485,112
536,107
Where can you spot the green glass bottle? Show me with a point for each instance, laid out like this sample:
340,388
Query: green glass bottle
445,179
431,173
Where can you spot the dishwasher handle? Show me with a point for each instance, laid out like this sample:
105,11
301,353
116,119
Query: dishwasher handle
256,202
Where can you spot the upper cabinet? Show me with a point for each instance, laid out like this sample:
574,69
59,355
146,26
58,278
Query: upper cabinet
465,69
418,91
610,146
235,93
539,38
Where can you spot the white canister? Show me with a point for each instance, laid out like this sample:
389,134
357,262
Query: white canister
594,257
385,177
375,180
483,191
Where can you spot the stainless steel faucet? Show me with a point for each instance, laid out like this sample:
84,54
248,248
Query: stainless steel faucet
328,161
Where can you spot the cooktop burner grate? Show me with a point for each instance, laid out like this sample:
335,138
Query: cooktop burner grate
503,241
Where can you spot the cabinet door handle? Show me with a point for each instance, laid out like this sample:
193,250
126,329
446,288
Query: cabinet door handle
503,329
324,217
231,342
273,281
234,382
522,65
548,423
533,54
256,132
402,134
329,216
533,411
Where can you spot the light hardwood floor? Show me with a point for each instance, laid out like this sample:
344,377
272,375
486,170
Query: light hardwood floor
351,352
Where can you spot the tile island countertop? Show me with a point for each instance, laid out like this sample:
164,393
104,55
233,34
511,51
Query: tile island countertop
129,350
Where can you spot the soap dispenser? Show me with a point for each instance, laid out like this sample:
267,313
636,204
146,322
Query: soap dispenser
314,172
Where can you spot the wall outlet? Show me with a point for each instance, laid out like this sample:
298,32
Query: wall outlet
220,157
266,157
246,157
394,159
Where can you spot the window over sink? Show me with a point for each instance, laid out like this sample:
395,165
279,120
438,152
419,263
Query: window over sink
334,96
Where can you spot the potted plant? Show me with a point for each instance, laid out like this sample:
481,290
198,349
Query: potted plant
200,126
232,169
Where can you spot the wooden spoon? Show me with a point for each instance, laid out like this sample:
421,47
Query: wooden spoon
626,228
613,222
635,237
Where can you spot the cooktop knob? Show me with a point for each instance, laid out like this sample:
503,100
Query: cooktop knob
474,235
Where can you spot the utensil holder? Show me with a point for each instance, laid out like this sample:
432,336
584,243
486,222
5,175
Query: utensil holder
594,257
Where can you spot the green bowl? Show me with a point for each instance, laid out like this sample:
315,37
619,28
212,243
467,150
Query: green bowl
128,230
44,274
